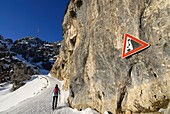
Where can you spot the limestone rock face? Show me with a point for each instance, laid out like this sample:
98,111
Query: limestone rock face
90,56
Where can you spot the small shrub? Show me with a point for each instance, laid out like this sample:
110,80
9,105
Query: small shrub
78,3
72,14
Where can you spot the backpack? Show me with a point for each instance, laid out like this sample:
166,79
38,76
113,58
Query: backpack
56,91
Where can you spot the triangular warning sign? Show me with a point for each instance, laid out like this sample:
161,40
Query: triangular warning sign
132,45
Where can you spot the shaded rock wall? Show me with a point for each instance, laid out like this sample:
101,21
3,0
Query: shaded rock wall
90,56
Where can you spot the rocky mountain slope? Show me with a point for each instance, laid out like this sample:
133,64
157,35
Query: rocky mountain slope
24,58
37,52
12,69
90,56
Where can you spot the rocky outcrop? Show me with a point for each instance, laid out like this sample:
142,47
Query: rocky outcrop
13,70
90,56
5,44
22,73
36,51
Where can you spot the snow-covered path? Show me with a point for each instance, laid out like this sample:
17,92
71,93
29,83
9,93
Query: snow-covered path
42,103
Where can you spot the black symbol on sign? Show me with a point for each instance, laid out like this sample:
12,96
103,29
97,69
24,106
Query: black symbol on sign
129,46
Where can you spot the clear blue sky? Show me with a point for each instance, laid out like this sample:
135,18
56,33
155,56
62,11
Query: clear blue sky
21,18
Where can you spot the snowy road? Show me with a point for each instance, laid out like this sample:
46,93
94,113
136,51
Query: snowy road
41,104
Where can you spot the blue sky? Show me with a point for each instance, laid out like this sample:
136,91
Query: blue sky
22,18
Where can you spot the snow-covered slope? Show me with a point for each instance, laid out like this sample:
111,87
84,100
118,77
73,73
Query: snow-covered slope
32,88
39,103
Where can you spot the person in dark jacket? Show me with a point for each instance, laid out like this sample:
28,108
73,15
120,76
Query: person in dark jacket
55,92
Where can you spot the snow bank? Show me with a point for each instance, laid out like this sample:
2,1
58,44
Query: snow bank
69,110
49,74
30,89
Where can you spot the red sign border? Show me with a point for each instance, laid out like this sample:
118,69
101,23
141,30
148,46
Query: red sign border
144,45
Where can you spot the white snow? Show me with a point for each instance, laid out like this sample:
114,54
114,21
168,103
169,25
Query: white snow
23,42
49,74
48,45
106,112
21,58
59,44
15,58
40,103
52,60
68,110
30,89
162,110
2,59
56,56
43,71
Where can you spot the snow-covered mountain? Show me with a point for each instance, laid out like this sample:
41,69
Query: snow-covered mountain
24,58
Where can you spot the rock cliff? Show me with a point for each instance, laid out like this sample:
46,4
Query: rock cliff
90,55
